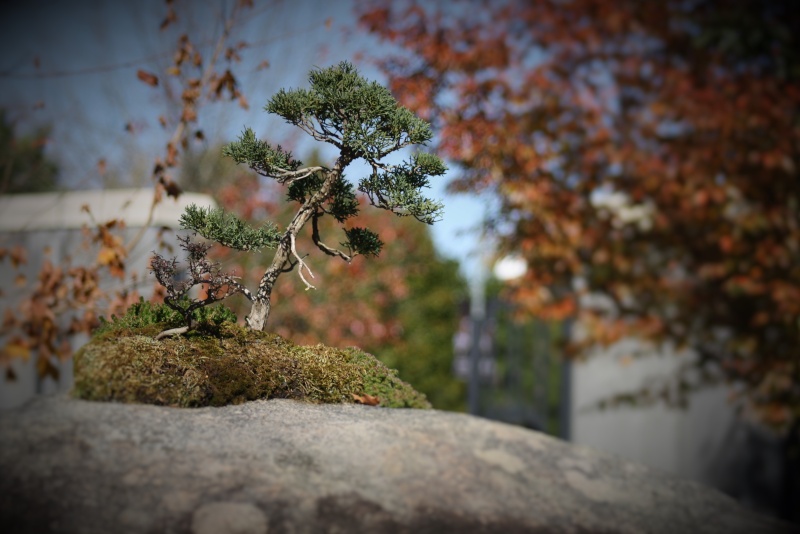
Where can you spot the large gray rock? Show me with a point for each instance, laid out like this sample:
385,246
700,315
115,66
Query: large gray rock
285,466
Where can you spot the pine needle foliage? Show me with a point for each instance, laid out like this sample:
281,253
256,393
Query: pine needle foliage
228,230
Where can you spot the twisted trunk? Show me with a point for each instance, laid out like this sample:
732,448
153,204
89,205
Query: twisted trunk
281,262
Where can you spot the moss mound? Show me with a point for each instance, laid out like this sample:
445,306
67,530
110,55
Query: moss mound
229,364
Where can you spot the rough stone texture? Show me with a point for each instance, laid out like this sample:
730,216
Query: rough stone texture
286,466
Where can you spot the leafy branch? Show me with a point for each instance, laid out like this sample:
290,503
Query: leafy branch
228,230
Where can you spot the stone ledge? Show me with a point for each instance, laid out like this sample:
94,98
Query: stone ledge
288,466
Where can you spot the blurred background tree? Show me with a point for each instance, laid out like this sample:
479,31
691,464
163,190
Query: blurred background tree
24,166
403,308
643,151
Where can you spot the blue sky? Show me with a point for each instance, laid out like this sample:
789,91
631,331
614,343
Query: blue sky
73,65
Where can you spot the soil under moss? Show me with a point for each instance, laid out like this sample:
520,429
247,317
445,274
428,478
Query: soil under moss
230,365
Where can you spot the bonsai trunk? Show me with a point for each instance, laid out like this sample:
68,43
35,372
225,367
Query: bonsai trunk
259,312
282,262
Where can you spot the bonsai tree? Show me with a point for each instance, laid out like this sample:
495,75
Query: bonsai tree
363,121
216,283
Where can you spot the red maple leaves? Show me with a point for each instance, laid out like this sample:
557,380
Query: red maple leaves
636,149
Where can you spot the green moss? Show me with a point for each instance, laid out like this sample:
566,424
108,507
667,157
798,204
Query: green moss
228,364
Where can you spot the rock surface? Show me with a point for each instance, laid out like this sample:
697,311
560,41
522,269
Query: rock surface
287,466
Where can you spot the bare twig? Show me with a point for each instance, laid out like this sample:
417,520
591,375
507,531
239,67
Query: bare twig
172,332
285,176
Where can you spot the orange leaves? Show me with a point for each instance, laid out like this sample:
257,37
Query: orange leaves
186,52
189,113
726,243
112,251
147,77
51,283
45,368
192,91
232,53
36,323
85,285
16,348
171,188
785,296
106,256
189,97
170,18
368,400
226,82
774,414
17,256
714,271
63,298
172,155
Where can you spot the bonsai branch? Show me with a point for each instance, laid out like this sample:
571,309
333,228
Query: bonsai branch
322,246
302,264
216,284
288,177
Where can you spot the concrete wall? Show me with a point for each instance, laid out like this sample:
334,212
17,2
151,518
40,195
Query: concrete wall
706,442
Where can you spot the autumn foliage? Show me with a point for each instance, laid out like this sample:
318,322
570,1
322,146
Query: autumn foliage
643,151
67,298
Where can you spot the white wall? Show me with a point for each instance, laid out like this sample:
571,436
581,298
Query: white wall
706,442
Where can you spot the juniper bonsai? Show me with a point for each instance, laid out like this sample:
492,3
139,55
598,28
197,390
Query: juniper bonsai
363,121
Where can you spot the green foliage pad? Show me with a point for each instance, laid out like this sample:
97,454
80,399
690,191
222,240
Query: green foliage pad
364,121
228,230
